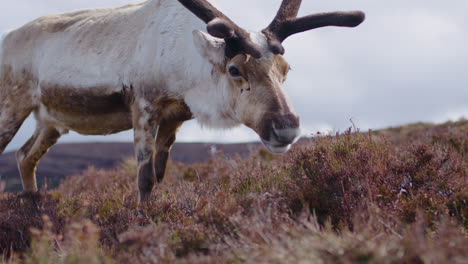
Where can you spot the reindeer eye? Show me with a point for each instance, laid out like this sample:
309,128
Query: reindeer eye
234,71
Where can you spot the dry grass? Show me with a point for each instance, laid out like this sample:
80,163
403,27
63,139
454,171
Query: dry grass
352,198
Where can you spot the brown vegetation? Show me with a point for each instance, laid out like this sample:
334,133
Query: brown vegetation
64,160
351,198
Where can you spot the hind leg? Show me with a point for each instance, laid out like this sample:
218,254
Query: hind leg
31,152
10,122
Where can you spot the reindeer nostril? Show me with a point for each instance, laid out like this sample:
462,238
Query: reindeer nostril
286,121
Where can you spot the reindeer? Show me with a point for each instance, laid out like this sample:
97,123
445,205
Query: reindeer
149,67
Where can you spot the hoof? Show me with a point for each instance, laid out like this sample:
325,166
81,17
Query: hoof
31,200
141,213
30,195
142,217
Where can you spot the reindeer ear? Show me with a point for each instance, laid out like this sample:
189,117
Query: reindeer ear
210,48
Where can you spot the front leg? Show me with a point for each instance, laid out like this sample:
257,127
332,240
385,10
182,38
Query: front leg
164,141
145,126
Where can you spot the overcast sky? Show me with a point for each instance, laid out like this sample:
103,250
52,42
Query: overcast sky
407,62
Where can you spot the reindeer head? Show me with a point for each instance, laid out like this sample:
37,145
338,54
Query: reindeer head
253,65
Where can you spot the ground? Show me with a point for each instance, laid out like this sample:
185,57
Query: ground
393,196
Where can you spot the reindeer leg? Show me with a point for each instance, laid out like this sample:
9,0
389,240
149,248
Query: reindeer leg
31,152
164,141
145,128
10,122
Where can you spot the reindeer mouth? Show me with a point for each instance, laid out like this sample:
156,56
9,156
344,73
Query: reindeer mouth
281,139
277,148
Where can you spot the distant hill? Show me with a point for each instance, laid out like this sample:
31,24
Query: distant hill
70,159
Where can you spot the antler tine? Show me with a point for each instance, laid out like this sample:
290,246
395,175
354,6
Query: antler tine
339,19
288,10
220,26
286,23
204,10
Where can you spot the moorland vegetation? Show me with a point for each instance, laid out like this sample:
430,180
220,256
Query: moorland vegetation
393,196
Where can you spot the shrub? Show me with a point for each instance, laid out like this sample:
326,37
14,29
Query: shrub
349,198
20,213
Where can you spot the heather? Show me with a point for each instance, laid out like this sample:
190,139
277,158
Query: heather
392,196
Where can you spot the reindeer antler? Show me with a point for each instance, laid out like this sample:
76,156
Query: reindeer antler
286,23
218,25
